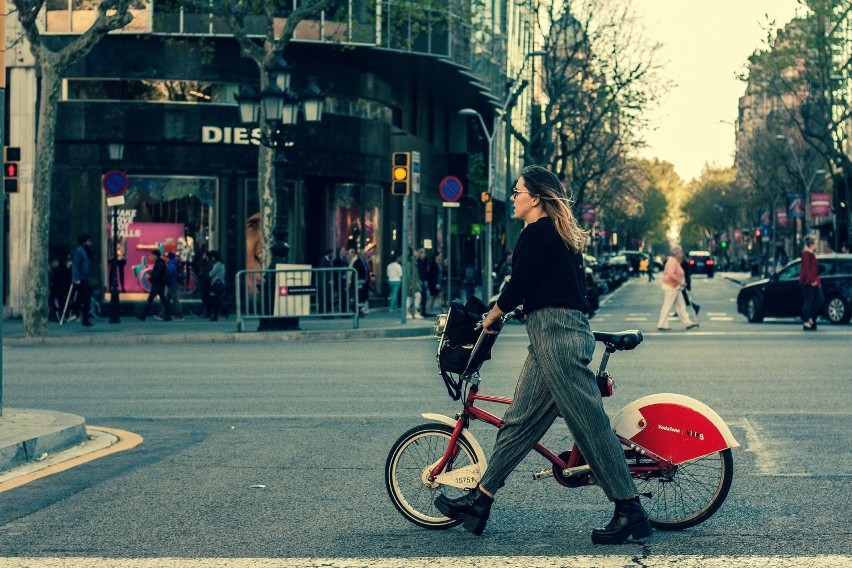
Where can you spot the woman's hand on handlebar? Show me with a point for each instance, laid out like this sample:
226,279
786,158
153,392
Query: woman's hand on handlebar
494,320
491,318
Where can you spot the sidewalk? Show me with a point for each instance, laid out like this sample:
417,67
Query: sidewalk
377,324
28,436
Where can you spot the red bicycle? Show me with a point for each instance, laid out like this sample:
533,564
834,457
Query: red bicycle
678,450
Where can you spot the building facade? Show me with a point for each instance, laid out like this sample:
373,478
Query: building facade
156,103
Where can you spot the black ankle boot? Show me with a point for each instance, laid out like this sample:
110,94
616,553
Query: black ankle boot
629,519
472,508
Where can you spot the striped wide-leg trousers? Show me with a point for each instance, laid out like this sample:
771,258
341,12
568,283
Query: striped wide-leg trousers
556,378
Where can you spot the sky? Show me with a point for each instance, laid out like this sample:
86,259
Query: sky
705,44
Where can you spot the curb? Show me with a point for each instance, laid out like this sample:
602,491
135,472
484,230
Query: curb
37,433
219,337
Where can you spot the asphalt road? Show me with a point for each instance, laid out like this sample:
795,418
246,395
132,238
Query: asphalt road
277,451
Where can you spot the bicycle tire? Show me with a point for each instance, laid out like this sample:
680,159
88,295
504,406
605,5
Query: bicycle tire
690,495
410,492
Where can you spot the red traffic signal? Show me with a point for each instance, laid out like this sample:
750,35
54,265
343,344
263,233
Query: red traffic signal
10,176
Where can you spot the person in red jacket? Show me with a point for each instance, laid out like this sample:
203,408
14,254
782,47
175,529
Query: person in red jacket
811,285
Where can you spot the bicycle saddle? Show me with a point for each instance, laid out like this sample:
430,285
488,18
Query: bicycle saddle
621,341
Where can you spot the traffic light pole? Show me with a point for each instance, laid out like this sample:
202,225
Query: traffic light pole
403,286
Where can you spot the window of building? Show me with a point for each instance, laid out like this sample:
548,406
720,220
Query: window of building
168,214
149,90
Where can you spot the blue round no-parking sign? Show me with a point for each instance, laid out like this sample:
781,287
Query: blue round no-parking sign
451,188
114,182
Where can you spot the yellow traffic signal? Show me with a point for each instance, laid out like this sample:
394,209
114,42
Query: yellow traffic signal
401,173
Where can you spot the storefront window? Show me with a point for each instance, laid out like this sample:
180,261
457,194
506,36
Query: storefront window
357,211
168,214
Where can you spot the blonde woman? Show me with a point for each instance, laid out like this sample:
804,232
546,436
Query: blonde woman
549,280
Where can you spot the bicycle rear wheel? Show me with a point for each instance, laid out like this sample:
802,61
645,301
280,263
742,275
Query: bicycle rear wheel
688,495
407,468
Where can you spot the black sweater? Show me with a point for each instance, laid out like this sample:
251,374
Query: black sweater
545,272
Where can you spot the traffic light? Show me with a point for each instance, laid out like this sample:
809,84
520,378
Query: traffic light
401,173
485,197
724,244
10,169
757,232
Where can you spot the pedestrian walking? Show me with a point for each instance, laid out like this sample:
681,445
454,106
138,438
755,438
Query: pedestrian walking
394,274
423,279
811,285
202,267
549,280
362,283
80,273
686,291
158,281
469,282
217,287
436,281
325,283
60,279
674,280
173,274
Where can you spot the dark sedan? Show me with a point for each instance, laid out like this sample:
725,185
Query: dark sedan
781,296
701,262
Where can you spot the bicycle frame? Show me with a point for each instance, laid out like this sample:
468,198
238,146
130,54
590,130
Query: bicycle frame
662,431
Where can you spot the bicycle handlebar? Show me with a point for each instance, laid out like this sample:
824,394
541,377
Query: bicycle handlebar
517,313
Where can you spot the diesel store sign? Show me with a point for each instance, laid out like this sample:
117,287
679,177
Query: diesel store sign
229,135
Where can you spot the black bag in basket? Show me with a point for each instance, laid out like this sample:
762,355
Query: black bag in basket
457,343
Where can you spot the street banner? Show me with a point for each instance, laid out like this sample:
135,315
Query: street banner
781,218
820,204
795,206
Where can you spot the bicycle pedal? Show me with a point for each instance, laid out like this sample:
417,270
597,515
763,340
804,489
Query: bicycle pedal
543,474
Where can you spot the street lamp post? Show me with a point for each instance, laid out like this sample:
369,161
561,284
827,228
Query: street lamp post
806,183
511,98
275,112
487,284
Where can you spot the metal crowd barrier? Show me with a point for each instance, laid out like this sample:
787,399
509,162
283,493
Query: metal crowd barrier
297,293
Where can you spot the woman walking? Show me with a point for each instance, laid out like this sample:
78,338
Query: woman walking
548,279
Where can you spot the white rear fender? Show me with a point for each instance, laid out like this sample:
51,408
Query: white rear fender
477,449
673,426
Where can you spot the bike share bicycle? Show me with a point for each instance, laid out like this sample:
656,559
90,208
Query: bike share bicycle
678,450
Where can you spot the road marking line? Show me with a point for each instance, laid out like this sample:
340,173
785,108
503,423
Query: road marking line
121,440
614,561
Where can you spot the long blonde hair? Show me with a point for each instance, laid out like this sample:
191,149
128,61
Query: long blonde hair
543,183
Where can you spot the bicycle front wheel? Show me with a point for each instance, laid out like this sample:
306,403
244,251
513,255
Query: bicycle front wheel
688,495
407,469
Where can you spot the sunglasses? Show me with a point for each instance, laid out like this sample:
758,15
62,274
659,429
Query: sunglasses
516,191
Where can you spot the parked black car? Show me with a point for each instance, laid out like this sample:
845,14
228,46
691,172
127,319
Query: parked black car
701,262
781,296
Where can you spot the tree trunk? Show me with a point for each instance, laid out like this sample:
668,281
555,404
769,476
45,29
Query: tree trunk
35,305
268,199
